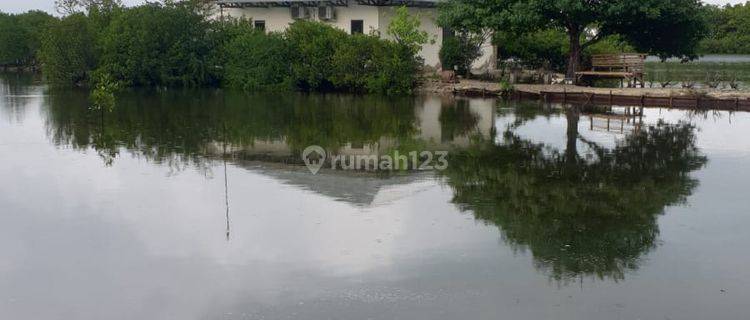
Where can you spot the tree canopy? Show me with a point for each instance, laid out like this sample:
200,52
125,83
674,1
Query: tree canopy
20,37
729,30
182,44
660,27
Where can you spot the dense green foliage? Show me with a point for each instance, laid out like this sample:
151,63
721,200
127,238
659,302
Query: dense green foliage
544,48
313,46
317,57
179,44
159,45
404,28
549,48
366,63
178,125
460,51
20,37
67,51
256,61
729,30
659,27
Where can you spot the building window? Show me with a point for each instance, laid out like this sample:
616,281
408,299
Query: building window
260,25
358,26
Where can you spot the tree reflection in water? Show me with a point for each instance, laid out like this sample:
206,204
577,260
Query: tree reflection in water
578,217
177,127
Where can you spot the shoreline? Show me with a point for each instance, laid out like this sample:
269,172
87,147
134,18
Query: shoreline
661,97
470,86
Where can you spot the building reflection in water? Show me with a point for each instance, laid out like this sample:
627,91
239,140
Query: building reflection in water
593,214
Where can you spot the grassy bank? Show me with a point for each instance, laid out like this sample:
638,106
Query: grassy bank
697,74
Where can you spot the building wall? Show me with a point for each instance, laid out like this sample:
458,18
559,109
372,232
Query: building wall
375,21
427,17
279,18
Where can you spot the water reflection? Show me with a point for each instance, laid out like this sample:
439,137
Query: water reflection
593,215
179,128
17,91
89,241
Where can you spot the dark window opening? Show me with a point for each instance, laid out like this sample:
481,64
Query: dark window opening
260,25
448,33
358,26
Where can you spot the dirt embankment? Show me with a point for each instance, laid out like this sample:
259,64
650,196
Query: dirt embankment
474,87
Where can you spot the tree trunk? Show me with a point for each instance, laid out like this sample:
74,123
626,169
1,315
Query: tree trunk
575,54
572,115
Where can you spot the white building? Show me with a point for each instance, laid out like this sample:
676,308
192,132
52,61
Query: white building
352,16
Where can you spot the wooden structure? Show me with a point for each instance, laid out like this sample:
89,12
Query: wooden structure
624,66
684,102
610,121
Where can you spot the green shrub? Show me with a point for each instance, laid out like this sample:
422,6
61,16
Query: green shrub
67,51
395,69
324,58
256,61
354,62
451,55
103,94
313,46
404,28
369,64
160,45
178,44
20,37
460,51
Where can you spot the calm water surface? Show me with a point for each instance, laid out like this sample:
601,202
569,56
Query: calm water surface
194,205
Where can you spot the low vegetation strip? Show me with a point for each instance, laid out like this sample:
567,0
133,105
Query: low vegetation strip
182,44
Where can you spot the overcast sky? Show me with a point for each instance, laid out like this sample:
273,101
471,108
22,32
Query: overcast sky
17,6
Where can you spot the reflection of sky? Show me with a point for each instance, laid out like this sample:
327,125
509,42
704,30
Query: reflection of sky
79,240
720,132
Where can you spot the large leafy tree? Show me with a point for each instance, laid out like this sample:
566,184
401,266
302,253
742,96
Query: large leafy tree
67,52
20,36
659,27
729,29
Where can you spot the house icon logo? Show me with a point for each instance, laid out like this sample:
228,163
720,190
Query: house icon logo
314,157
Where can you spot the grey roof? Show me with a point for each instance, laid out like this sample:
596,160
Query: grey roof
286,3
